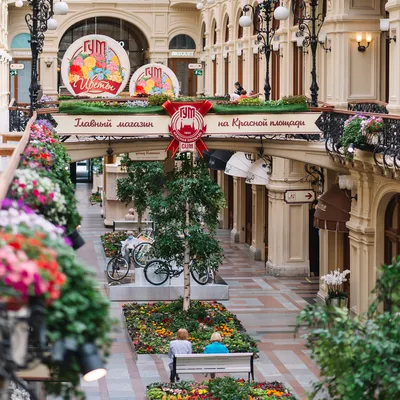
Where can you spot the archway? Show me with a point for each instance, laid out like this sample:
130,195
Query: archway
131,38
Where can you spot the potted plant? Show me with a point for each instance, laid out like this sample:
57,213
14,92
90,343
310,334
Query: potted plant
337,297
352,134
371,128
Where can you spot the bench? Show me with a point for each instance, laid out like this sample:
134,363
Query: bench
125,225
231,363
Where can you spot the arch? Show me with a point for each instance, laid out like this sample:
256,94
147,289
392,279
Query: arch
203,36
214,31
239,29
225,31
21,41
182,41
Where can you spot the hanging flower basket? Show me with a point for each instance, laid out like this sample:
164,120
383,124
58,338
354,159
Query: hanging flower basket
76,239
372,129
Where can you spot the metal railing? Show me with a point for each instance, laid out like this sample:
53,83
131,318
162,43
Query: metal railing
370,106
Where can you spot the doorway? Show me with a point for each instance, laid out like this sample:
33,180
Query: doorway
81,172
186,78
249,214
19,84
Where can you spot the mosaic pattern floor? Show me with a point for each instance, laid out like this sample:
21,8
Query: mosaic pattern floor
267,307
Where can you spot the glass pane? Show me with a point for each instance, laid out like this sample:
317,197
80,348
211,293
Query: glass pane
24,79
182,72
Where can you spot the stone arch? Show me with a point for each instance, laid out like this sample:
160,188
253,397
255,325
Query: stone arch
213,38
225,28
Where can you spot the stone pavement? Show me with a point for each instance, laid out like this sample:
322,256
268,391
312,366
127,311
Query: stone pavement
267,306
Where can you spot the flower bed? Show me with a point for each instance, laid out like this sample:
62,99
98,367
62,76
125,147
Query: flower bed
110,240
95,198
152,326
219,389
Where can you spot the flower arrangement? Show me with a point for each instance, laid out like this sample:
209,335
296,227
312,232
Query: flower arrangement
152,326
352,132
43,132
35,156
217,389
372,125
28,267
334,283
41,193
148,85
95,198
110,240
96,66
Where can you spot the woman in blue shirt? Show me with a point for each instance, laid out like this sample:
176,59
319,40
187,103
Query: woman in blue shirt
216,347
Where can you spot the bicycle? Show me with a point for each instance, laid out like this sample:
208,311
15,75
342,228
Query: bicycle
118,267
157,272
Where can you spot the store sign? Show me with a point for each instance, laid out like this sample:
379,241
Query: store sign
95,65
153,155
17,66
195,66
215,124
22,53
187,125
154,79
182,53
299,196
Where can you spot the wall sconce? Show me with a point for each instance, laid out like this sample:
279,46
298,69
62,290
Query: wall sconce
225,55
385,26
239,52
213,57
347,182
322,41
359,37
255,50
49,62
300,41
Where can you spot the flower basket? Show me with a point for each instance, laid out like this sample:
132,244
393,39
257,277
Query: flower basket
372,129
372,138
76,239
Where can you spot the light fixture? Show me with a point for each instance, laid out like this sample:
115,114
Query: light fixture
49,62
281,13
225,54
276,45
199,6
255,50
385,26
60,8
359,37
19,3
299,39
211,2
239,52
245,21
92,367
213,56
346,182
51,24
350,149
322,41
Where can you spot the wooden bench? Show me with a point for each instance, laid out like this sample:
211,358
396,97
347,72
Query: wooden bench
124,225
231,363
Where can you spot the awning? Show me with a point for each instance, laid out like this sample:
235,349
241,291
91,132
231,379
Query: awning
238,165
333,210
219,158
257,174
207,155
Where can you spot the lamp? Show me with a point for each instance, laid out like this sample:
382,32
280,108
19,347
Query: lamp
385,26
49,62
199,6
261,18
225,55
239,52
322,41
350,149
61,8
213,56
92,367
359,37
299,39
255,50
211,2
19,3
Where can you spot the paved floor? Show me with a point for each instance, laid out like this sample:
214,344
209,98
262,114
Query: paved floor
267,307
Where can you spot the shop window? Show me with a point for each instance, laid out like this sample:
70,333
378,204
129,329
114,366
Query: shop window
215,33
182,42
21,41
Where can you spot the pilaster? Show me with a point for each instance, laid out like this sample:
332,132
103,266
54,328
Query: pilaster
223,184
257,248
239,210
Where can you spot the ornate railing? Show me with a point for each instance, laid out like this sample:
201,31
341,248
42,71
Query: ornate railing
386,152
370,106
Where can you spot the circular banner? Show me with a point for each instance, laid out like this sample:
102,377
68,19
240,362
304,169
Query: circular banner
154,79
95,66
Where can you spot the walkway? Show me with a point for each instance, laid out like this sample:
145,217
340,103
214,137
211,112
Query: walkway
267,307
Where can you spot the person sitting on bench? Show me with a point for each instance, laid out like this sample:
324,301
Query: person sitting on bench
216,347
179,346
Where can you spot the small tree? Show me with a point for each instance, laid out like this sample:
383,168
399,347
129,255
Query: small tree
359,357
143,181
191,198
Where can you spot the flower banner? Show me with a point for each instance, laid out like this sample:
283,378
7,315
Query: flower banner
95,65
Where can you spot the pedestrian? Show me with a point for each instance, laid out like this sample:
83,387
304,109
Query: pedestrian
238,88
243,95
215,347
179,346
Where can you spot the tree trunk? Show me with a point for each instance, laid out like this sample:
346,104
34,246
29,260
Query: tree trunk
186,284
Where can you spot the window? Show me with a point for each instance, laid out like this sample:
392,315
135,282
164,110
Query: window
182,42
215,33
227,30
203,36
297,70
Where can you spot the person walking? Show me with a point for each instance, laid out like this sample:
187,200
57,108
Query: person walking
215,347
179,346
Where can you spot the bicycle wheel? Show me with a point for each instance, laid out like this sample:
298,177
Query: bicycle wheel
156,272
201,276
117,268
143,253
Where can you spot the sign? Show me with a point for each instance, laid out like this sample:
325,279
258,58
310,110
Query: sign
95,66
195,66
299,196
22,53
13,72
151,155
135,125
198,72
182,53
154,79
17,66
187,125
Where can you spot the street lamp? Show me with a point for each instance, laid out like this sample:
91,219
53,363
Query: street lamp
305,13
39,21
262,16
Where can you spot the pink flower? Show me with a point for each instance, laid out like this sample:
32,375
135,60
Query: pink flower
51,196
35,192
78,61
42,199
34,182
112,67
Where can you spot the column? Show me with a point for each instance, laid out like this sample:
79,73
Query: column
288,226
257,248
239,210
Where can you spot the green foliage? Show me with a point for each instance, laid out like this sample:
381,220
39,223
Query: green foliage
359,357
95,198
352,132
98,165
158,99
251,101
294,99
143,181
110,240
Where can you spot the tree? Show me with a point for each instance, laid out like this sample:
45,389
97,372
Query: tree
191,199
143,181
359,357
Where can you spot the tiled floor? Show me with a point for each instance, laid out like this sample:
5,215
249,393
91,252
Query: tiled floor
267,307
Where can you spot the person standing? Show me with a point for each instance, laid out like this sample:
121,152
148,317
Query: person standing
215,347
179,346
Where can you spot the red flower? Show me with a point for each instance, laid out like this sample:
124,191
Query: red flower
75,70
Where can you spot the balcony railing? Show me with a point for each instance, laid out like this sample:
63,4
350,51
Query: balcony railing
369,106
